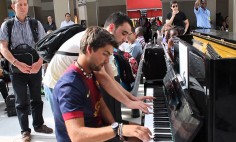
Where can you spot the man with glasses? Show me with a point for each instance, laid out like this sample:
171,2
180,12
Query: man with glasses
202,15
177,18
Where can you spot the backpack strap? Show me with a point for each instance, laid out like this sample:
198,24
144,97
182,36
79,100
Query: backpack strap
34,28
9,24
67,53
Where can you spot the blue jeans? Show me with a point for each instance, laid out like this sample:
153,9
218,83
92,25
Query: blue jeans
20,83
48,94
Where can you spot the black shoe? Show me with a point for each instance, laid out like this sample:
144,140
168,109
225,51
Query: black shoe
44,129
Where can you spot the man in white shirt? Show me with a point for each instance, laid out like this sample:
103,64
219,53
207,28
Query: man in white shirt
60,63
67,21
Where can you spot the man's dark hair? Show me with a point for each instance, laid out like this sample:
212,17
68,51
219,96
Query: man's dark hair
67,14
173,2
118,19
96,37
203,1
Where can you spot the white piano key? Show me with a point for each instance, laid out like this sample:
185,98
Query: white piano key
149,92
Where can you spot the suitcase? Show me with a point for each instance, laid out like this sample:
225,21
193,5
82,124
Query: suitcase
10,102
154,65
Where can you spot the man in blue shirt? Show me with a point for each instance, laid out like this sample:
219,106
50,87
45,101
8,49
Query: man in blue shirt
80,112
202,14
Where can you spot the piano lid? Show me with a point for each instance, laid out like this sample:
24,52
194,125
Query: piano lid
220,35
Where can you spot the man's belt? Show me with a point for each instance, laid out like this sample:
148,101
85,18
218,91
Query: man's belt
202,28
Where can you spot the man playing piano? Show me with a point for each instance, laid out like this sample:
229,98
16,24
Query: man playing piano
80,112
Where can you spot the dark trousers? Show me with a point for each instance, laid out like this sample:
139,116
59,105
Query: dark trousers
3,89
20,83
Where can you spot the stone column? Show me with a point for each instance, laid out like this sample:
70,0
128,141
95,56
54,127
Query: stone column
61,7
3,10
232,14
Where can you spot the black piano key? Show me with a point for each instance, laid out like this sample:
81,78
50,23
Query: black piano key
157,130
160,98
161,119
161,124
159,102
160,114
160,105
162,137
160,110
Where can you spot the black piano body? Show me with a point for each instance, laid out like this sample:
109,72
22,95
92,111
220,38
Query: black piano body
213,55
184,120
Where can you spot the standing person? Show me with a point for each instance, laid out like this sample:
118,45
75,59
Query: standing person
50,25
227,22
117,24
3,78
139,36
203,15
224,26
177,18
67,21
3,89
159,23
79,109
30,75
134,48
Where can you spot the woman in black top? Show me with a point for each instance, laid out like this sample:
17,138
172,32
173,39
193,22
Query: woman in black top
50,26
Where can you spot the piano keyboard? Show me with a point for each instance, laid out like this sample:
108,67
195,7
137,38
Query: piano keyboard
158,120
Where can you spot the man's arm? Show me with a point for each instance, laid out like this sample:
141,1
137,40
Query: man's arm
111,86
197,4
170,21
7,54
106,114
79,133
186,22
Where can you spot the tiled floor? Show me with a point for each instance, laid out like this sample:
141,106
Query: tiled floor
10,129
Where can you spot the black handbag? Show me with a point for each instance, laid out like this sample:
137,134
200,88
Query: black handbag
23,53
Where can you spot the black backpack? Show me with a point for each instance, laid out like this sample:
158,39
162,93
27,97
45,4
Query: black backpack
47,47
124,67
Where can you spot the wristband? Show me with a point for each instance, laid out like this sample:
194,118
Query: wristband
120,131
14,61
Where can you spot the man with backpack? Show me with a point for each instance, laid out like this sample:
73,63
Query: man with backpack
117,24
25,66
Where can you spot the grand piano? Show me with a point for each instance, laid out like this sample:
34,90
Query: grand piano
205,110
